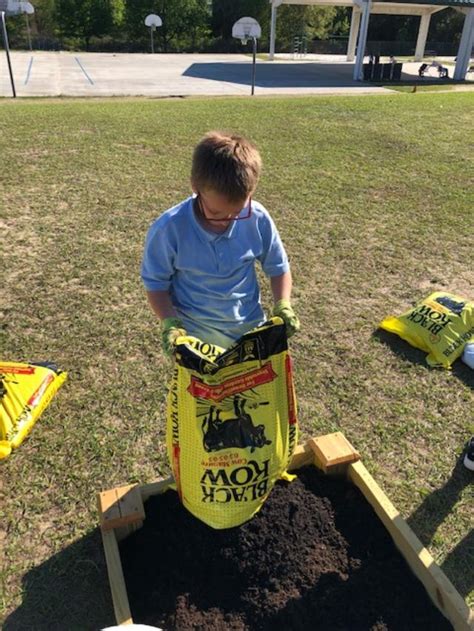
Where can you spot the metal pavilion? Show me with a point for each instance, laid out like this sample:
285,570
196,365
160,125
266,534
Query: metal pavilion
363,9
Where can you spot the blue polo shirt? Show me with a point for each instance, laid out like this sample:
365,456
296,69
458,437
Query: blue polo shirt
211,277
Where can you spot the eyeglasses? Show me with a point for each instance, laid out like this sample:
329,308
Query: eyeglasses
247,210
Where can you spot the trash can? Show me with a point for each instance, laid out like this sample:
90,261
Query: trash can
397,72
387,72
377,73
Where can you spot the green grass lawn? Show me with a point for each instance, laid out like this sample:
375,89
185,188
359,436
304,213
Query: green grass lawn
374,200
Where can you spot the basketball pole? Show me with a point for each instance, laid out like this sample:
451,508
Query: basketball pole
28,30
254,66
7,50
244,29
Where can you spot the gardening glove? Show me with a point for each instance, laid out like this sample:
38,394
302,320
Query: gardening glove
171,329
284,310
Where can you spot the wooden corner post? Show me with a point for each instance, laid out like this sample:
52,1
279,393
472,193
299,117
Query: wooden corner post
333,453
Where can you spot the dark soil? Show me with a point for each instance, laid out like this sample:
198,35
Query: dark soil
315,557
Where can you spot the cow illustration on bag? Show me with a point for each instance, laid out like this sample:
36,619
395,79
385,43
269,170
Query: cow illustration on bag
452,305
234,432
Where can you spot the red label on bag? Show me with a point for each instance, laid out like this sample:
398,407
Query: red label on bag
18,369
290,391
176,469
38,393
235,385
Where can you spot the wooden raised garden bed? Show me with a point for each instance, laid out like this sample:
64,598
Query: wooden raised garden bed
122,512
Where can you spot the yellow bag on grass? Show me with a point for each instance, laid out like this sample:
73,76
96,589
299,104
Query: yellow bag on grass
231,423
440,325
25,391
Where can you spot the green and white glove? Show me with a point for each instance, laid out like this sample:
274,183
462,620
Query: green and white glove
171,329
284,310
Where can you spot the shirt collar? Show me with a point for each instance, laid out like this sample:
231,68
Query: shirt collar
204,234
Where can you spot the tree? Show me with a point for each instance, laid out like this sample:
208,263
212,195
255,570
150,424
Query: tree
88,18
226,12
184,21
446,26
304,21
341,22
45,17
135,14
393,27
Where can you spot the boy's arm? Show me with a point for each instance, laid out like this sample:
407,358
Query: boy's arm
281,290
275,265
172,327
281,286
160,302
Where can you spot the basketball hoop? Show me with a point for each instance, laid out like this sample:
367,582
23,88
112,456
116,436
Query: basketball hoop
245,29
152,21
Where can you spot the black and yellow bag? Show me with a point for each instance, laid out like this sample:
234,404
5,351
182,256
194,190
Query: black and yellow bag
441,325
231,423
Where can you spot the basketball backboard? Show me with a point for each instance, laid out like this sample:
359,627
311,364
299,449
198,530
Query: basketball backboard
246,28
15,7
153,20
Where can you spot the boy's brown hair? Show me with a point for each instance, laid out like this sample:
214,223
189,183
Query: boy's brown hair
227,164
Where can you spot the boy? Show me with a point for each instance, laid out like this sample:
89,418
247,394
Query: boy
199,261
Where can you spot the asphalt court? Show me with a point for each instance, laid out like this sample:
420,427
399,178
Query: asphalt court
108,74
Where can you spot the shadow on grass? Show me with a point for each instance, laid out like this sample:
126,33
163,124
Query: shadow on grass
426,519
416,356
70,591
435,508
459,563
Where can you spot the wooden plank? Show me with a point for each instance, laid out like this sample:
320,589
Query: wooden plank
332,450
130,503
302,456
122,532
116,579
440,589
120,506
109,511
155,488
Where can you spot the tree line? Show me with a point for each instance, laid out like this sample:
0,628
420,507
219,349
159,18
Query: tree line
203,25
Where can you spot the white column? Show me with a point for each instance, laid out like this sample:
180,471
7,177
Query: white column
465,46
362,41
422,36
275,4
355,23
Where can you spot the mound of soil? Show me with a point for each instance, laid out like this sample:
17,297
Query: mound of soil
315,557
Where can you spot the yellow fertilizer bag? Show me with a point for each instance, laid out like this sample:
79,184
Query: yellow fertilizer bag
25,391
440,325
231,423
